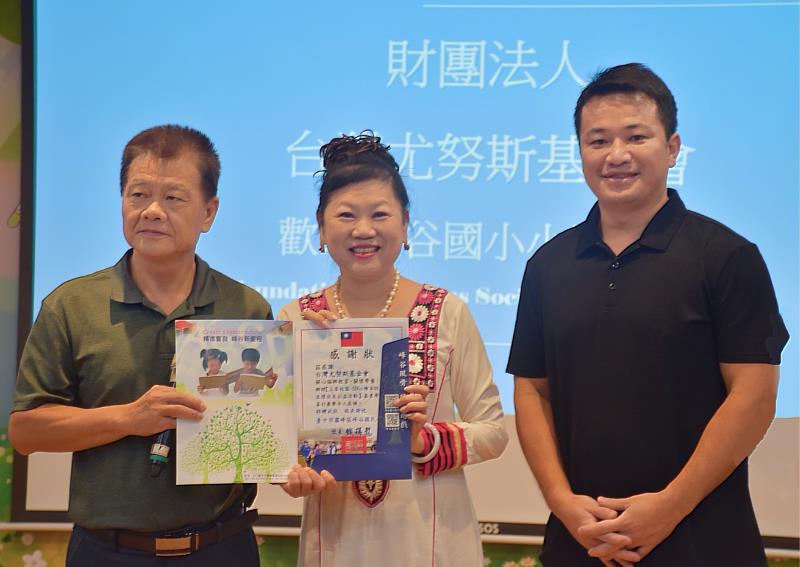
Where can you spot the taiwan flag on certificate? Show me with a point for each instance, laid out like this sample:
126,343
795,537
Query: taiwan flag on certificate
352,338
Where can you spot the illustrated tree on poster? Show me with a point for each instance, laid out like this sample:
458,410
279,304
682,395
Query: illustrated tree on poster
194,459
236,438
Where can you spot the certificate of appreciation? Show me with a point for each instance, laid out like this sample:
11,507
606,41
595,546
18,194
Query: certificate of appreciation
349,375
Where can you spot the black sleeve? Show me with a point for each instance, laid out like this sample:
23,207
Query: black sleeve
748,326
527,356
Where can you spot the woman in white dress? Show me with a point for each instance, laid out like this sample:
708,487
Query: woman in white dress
453,404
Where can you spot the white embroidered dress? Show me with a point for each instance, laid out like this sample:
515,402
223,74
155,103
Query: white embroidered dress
428,520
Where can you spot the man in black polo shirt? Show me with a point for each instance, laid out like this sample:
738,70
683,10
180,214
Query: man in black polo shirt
93,376
645,355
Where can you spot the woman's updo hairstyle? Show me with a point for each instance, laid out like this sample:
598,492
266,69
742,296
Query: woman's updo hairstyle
353,159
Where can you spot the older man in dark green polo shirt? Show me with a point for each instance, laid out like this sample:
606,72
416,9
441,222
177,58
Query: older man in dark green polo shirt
93,375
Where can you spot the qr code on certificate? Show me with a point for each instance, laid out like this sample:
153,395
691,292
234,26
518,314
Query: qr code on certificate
389,400
391,420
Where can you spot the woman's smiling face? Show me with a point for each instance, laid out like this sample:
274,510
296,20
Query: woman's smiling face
364,225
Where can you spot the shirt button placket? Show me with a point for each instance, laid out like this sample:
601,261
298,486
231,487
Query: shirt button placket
615,265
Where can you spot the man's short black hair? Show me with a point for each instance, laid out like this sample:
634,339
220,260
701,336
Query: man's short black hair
168,142
631,78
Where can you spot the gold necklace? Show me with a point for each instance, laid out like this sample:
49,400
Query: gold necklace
340,306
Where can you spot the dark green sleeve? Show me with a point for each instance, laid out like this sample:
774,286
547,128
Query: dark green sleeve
46,370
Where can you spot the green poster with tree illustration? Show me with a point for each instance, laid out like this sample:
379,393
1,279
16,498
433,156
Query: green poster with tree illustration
243,371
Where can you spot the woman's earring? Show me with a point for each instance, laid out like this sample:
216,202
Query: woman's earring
321,247
406,245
